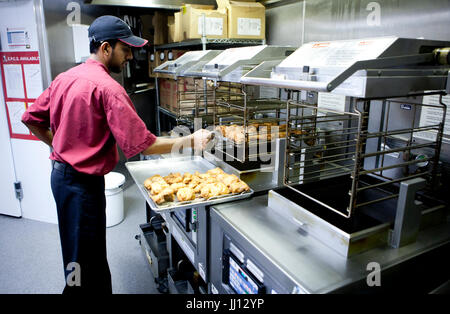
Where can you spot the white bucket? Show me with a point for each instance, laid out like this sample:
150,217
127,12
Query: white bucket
114,198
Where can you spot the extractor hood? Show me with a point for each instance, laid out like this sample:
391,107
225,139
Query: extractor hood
156,4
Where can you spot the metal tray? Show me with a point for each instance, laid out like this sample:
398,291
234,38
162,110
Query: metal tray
141,170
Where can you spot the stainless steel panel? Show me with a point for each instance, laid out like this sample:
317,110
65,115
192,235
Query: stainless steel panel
43,43
284,24
141,170
233,63
314,266
59,33
344,19
157,4
346,244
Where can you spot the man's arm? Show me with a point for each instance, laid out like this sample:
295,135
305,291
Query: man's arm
164,145
42,133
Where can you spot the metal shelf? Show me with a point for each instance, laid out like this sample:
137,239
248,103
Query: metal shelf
219,42
167,112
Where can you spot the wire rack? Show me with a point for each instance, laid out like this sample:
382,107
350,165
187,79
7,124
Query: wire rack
363,150
195,99
247,125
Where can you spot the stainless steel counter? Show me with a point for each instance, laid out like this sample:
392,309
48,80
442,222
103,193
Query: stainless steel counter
311,264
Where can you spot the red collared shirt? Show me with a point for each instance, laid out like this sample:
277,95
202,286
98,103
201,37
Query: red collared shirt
88,113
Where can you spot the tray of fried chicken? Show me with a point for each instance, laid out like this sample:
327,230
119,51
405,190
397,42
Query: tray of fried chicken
197,188
256,132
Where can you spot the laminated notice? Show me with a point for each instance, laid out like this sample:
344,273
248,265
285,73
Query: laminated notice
248,26
213,25
331,102
433,116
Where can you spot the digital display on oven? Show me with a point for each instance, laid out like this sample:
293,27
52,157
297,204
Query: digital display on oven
240,281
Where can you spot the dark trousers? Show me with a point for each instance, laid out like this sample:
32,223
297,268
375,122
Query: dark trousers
81,205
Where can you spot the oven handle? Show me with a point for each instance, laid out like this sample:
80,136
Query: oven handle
289,84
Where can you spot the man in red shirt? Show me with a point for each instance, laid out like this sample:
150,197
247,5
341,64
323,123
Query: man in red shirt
82,116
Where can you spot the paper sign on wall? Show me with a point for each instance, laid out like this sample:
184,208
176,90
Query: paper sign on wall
22,84
18,38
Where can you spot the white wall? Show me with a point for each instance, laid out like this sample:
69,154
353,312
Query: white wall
9,204
31,158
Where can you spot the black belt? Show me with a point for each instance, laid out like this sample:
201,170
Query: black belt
61,166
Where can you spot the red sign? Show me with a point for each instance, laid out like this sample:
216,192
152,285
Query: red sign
22,83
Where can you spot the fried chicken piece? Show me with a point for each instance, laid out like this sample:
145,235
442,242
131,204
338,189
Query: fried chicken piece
239,187
147,183
215,171
230,179
222,129
206,191
173,178
194,182
199,187
221,177
185,194
187,177
223,189
157,187
210,179
214,189
168,194
228,130
176,186
155,178
158,199
252,130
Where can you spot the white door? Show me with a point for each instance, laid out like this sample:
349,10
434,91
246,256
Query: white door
9,204
30,163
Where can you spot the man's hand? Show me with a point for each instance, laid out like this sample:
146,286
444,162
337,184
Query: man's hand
197,141
201,138
44,134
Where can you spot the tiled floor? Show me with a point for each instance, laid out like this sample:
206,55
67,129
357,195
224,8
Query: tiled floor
31,262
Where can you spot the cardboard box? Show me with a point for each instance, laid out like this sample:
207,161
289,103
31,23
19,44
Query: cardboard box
147,27
178,27
246,19
171,29
192,23
168,94
173,96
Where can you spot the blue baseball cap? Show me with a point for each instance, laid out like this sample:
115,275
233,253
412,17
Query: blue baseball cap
111,27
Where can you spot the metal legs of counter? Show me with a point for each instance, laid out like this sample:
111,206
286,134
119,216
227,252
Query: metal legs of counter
153,240
176,245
